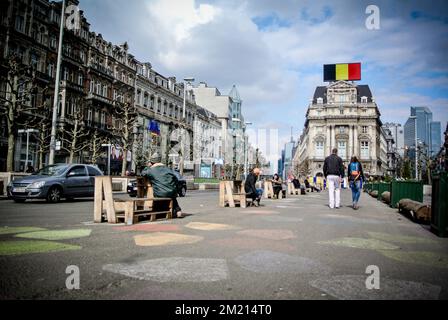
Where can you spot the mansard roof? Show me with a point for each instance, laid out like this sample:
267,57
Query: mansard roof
363,90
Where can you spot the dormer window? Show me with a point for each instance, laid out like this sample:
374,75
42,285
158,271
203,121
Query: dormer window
364,99
320,100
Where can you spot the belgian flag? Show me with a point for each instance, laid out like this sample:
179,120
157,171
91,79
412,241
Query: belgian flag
342,71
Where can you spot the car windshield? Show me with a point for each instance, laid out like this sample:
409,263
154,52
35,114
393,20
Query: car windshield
54,170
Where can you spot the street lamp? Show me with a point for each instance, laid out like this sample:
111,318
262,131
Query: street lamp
56,89
416,160
181,161
245,150
27,131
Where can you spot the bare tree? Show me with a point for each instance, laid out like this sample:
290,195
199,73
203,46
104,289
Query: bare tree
97,139
303,169
74,134
41,121
16,100
123,129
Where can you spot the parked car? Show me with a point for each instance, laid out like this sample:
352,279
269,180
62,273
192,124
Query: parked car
55,182
181,186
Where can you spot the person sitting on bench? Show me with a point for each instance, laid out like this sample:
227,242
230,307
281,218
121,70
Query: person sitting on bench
250,188
295,182
276,185
309,186
164,182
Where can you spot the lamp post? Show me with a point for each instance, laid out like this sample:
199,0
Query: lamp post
56,89
416,154
27,131
246,145
181,161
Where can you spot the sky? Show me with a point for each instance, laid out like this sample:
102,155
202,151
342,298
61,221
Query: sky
274,51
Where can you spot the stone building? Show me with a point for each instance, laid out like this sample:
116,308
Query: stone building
97,79
345,116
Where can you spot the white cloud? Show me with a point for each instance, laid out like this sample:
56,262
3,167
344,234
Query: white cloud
276,70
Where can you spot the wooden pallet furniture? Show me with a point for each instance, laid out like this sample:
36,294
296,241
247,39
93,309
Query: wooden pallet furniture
134,210
293,190
128,209
232,193
268,190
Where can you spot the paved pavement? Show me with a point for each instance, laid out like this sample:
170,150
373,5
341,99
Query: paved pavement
294,248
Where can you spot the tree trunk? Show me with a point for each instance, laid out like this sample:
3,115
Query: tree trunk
125,162
10,157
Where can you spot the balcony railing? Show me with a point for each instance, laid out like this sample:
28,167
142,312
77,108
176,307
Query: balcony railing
102,69
97,97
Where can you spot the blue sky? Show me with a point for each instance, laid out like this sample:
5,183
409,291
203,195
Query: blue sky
274,50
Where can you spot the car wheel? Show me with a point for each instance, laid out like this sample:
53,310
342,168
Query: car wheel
19,200
183,192
54,195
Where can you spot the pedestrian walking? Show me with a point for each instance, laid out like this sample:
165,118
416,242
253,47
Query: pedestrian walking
164,182
250,187
355,176
334,173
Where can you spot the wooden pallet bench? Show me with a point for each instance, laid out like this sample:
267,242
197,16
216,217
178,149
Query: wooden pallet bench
129,209
133,209
293,190
232,193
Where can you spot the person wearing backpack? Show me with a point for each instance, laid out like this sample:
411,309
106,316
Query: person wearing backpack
355,176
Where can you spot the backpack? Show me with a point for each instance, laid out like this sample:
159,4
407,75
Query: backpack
354,170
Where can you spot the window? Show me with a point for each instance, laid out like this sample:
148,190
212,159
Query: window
139,97
319,149
98,88
50,70
320,100
65,77
341,129
364,129
93,171
53,42
89,116
364,149
34,60
105,91
103,119
342,149
20,24
80,79
92,86
77,171
363,99
82,55
145,100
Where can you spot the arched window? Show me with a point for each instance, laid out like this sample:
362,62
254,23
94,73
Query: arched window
319,147
364,150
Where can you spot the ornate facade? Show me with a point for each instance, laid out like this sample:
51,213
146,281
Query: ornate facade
345,116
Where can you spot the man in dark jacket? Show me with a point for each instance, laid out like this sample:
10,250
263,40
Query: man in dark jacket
250,188
164,182
334,172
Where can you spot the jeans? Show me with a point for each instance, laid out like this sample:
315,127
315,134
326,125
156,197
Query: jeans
334,190
257,196
356,190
